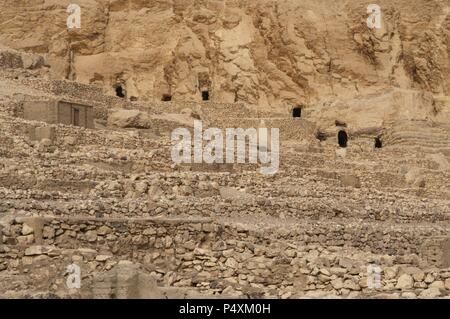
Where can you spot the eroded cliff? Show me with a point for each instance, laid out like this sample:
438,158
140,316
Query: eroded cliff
267,53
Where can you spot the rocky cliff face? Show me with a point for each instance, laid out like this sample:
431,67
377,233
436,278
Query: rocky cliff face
269,53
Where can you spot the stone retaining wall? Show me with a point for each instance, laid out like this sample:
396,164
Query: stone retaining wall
216,258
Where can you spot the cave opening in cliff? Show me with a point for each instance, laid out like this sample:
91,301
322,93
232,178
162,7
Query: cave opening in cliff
166,98
205,95
297,112
120,91
342,138
378,142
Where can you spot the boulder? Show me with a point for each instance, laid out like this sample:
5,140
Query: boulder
129,119
405,281
430,293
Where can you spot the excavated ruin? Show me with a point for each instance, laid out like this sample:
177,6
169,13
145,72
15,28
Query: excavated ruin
87,178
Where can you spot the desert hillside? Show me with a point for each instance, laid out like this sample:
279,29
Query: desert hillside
268,53
93,203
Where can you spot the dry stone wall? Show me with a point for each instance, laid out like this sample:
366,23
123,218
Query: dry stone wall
214,258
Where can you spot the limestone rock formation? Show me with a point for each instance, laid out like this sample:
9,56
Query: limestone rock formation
128,119
267,53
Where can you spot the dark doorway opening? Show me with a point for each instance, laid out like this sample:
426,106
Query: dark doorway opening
378,142
297,112
205,95
76,117
342,138
120,91
166,98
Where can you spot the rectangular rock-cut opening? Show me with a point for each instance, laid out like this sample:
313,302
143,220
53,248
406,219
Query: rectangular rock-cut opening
120,92
297,112
75,117
205,95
